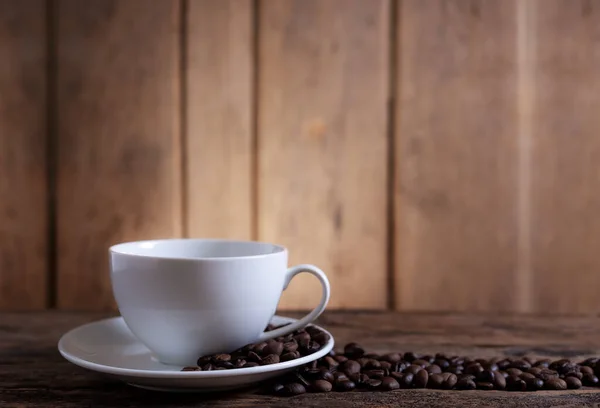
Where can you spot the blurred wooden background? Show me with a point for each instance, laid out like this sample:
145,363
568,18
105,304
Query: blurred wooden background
427,154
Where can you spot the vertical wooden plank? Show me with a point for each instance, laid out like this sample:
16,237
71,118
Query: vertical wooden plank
456,156
323,85
118,127
219,148
565,177
23,181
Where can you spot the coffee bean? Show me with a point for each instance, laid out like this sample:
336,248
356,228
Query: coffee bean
442,363
353,350
526,376
372,363
535,371
465,384
191,369
340,377
487,386
433,369
275,388
490,366
589,380
400,366
386,365
371,355
486,376
407,380
421,362
410,356
239,363
270,359
309,348
290,346
555,384
350,367
534,384
466,376
455,369
589,361
288,357
300,378
322,338
340,359
252,356
558,364
450,382
499,380
435,380
221,358
293,389
302,337
547,374
514,383
520,364
373,384
413,369
273,347
503,364
573,383
391,357
577,374
375,373
542,363
514,371
586,370
251,364
207,367
389,383
421,379
321,386
345,385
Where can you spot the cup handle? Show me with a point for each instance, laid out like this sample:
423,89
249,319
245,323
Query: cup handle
291,272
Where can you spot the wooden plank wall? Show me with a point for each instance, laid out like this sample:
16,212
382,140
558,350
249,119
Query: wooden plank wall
428,155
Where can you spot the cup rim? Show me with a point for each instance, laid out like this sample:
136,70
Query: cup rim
118,249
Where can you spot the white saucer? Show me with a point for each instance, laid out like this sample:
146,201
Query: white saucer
108,346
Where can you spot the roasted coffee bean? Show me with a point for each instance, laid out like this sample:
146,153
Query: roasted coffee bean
302,337
486,376
421,379
321,338
340,377
576,374
251,364
290,346
555,384
503,364
391,357
372,363
300,378
293,389
288,356
330,362
191,369
535,371
521,365
273,347
433,369
465,384
413,369
239,363
320,386
375,373
442,363
344,385
226,364
373,384
589,380
353,350
386,365
406,381
203,360
410,356
542,363
490,366
466,376
589,361
547,374
573,383
514,383
450,382
435,380
474,369
350,367
455,369
275,388
400,366
398,376
389,383
534,384
420,362
514,371
270,359
207,367
487,386
372,355
259,347
221,358
309,348
252,356
219,368
559,364
499,380
586,370
340,359
526,376
355,378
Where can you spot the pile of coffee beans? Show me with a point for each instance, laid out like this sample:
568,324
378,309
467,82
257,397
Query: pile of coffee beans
355,369
297,344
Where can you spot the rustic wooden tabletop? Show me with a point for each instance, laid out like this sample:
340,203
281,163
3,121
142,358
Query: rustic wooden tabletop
33,374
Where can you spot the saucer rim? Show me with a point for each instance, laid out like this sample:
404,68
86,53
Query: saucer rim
234,372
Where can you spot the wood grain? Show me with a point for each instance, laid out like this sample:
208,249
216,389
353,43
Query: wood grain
118,175
35,375
565,178
456,236
323,78
219,119
23,181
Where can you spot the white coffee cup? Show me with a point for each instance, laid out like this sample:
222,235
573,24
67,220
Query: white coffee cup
185,298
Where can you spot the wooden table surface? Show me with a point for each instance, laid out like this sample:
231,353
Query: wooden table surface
33,374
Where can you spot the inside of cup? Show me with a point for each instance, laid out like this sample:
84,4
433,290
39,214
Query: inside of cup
196,248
